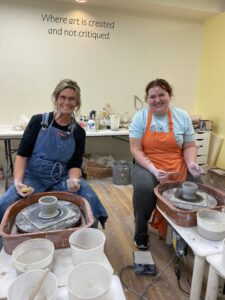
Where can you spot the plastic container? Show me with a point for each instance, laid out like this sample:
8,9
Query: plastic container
34,254
211,224
223,256
23,286
122,172
87,244
114,122
89,281
91,125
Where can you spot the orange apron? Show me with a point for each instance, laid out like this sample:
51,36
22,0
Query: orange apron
163,151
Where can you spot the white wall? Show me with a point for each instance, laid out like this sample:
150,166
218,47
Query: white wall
140,49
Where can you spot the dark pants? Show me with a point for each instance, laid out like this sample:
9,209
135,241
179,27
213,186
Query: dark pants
144,199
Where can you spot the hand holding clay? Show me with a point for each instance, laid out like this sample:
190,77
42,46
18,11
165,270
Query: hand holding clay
160,175
73,184
22,189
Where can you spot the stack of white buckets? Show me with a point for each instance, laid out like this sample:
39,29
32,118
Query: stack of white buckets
89,279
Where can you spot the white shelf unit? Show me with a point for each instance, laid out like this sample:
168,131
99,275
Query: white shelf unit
202,142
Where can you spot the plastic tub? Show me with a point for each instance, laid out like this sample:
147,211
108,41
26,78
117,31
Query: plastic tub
23,286
87,244
89,281
211,224
35,254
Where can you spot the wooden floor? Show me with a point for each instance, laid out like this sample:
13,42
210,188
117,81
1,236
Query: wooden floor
119,247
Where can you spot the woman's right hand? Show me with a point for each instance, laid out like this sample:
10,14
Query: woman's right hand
160,175
22,189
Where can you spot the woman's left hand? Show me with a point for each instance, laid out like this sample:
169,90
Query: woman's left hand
195,169
73,184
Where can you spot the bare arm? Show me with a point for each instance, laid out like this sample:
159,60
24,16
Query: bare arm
189,152
138,153
73,183
74,173
19,168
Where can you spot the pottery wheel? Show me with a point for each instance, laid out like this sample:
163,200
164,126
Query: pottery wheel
202,199
30,219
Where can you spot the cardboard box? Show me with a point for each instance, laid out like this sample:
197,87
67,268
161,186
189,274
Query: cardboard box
94,170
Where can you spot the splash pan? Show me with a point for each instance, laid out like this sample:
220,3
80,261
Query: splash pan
30,219
60,237
186,217
201,200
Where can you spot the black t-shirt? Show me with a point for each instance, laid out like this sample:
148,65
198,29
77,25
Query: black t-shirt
30,135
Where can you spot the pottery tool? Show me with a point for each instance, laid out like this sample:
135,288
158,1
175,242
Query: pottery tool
38,285
173,173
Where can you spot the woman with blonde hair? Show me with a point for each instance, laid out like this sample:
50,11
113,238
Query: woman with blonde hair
50,154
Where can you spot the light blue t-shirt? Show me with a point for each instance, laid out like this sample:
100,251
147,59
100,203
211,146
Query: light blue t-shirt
182,125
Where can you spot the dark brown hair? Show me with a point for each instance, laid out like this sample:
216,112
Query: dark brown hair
160,83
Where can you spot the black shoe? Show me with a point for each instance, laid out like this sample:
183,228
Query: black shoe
141,243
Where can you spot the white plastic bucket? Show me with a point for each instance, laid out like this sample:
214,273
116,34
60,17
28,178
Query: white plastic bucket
89,281
223,256
34,254
87,244
24,285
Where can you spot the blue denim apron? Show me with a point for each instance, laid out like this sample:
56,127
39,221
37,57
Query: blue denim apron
47,169
52,152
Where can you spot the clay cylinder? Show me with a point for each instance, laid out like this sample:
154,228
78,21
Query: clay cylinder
48,205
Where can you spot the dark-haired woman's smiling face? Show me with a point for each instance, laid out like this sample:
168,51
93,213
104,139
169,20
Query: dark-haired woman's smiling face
159,100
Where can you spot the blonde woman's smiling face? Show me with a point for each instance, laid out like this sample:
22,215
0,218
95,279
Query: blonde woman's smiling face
158,100
66,101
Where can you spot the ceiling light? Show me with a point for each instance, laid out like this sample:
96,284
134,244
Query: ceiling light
81,1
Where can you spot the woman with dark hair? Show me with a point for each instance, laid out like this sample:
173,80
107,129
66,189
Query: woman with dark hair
50,154
162,140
